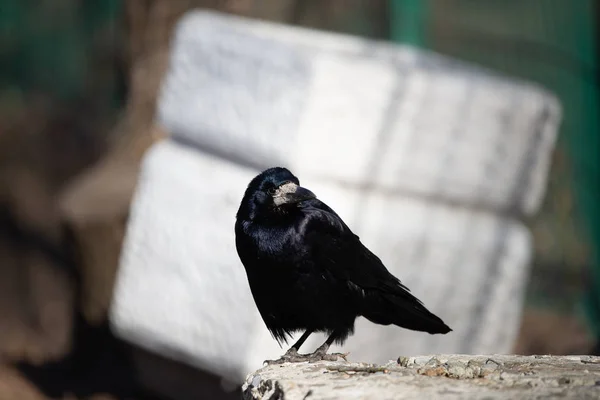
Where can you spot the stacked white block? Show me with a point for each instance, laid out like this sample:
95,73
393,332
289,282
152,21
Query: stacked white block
429,160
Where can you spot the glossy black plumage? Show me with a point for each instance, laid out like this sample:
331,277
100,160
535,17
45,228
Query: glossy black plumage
308,271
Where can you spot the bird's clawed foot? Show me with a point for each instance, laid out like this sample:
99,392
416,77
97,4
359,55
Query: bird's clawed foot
321,355
292,356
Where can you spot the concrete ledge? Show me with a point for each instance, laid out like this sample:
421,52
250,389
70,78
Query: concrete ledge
429,377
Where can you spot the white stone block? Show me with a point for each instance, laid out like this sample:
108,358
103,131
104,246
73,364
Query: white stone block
430,161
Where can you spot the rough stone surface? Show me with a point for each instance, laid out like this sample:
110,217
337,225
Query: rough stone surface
429,377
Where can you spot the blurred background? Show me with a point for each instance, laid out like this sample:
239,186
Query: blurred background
79,81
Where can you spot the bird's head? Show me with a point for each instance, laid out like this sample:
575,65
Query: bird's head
272,192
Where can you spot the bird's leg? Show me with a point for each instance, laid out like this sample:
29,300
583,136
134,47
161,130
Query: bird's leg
292,354
321,352
292,351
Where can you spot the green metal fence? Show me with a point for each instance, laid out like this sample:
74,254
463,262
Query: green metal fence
62,48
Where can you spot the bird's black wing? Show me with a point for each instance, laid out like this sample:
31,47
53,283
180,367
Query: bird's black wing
339,252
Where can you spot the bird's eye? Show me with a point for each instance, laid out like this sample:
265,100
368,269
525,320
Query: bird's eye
271,191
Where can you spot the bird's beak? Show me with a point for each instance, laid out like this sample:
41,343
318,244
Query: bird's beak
290,193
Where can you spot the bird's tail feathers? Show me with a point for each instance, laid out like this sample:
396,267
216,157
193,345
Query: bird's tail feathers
404,310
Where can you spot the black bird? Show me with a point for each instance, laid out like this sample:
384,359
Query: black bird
308,271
